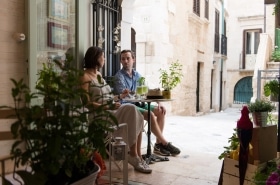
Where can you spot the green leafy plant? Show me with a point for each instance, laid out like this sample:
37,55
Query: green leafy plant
272,119
57,137
233,145
275,55
276,7
261,105
141,81
271,88
263,173
172,77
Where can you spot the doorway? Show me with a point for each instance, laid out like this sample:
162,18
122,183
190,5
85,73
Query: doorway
243,90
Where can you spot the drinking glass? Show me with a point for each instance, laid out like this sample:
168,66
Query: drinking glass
142,91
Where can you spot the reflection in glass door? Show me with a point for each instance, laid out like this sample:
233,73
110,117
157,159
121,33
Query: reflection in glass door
52,34
55,30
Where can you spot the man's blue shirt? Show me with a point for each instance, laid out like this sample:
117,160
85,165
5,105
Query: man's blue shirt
123,81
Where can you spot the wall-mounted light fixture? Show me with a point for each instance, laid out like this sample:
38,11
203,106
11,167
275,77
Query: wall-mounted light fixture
19,37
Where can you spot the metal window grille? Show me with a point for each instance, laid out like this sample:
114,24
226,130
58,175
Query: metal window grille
106,32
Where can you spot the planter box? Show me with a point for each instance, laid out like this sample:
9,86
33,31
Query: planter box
231,172
264,142
233,180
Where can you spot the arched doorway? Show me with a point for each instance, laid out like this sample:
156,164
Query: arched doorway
243,91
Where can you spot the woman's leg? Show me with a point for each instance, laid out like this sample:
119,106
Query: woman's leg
129,114
139,141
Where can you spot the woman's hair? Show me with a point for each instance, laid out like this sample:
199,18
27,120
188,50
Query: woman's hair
91,57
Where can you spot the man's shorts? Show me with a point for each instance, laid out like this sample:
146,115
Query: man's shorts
142,107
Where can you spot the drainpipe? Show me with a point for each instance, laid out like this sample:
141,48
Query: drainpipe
221,86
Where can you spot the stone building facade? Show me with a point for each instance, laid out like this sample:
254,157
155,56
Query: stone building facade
171,30
165,30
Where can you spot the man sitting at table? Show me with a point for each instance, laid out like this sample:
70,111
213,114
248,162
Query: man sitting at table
126,79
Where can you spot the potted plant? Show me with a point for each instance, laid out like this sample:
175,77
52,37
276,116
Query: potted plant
231,151
275,55
58,139
170,78
272,89
267,174
259,110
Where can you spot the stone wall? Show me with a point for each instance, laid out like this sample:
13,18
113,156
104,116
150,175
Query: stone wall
168,31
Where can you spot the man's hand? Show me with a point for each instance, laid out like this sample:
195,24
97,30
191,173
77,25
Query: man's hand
124,93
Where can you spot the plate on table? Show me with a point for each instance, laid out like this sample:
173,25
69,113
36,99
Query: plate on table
154,97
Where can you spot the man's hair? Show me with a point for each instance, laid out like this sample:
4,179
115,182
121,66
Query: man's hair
128,51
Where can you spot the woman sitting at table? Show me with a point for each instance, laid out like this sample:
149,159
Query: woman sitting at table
94,60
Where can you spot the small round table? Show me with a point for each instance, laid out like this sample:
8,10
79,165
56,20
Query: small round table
149,157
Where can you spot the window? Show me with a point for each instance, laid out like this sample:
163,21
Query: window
225,28
217,34
224,40
196,7
252,40
206,9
